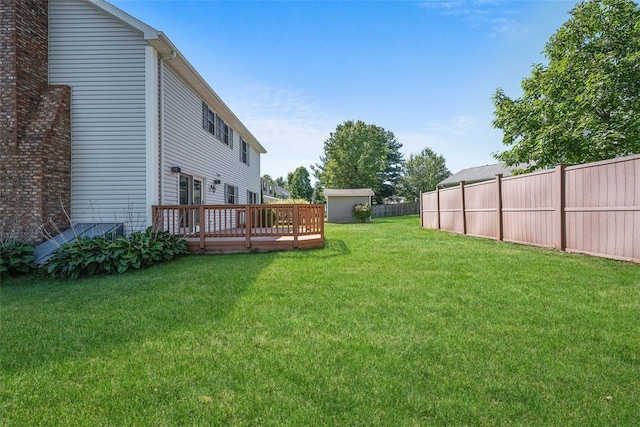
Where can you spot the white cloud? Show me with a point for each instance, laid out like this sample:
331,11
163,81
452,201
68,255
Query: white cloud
290,125
499,19
293,128
464,141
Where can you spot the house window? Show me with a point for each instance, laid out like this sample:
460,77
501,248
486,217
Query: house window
222,130
208,119
230,194
244,152
215,125
252,198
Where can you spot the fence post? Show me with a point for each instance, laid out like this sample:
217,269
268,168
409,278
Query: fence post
499,207
438,205
560,225
464,216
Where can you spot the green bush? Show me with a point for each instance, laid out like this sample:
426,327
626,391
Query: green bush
362,212
15,257
268,217
97,255
289,201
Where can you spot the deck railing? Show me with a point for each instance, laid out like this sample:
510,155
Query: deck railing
240,221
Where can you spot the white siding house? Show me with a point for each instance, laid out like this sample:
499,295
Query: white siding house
140,117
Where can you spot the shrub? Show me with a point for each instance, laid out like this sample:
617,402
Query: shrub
362,212
15,257
97,255
268,218
289,202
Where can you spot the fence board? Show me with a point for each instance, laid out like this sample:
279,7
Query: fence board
395,209
481,209
592,208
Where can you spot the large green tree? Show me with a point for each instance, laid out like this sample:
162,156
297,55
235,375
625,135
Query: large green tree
392,174
584,105
318,193
299,185
422,172
358,155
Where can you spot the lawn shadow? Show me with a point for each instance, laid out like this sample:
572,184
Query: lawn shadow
51,321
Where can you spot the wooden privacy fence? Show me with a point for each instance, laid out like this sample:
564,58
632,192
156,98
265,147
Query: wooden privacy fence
251,225
592,208
395,209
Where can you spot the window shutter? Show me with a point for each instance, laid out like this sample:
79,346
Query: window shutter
235,195
205,116
248,155
226,194
230,138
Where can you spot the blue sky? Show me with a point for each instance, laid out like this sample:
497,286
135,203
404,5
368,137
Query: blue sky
424,70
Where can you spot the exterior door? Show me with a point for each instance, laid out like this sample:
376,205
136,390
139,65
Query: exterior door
190,194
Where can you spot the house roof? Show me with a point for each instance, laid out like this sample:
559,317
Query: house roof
281,191
169,53
349,192
477,174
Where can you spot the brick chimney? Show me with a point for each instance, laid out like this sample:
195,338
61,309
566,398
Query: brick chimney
35,135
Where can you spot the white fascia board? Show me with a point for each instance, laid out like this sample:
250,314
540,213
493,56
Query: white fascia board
147,31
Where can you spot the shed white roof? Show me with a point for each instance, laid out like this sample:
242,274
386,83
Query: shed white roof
349,192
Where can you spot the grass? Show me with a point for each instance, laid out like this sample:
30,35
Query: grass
389,324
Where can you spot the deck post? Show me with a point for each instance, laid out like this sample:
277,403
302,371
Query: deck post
154,217
248,223
201,213
296,225
322,222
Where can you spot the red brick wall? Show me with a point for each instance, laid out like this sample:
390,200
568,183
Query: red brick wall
35,144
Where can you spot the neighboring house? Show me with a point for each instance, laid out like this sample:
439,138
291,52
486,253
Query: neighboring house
477,174
340,202
116,115
272,192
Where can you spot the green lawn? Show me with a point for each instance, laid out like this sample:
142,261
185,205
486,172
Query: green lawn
389,324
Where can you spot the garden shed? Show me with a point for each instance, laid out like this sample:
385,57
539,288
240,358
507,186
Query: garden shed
340,202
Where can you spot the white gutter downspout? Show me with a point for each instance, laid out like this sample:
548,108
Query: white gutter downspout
172,55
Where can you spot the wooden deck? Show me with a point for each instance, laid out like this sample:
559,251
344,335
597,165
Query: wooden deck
243,228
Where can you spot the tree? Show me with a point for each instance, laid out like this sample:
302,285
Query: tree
280,182
357,155
391,176
422,172
299,185
584,105
318,193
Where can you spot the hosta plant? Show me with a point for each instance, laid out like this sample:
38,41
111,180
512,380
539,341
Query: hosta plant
15,257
